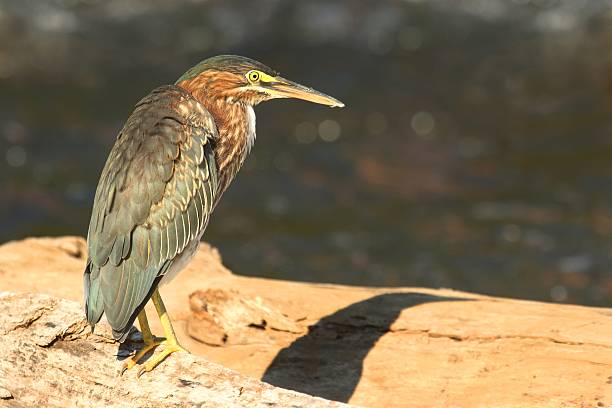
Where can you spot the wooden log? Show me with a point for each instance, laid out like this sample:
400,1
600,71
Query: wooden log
376,347
50,358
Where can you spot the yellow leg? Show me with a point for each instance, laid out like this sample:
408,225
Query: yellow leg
150,342
171,343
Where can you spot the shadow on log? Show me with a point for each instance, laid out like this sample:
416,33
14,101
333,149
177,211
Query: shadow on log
348,334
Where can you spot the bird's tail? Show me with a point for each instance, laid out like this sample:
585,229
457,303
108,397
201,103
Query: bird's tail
94,306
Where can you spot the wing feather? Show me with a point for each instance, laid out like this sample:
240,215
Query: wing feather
153,199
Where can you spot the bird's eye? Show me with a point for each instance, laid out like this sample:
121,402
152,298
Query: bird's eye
253,76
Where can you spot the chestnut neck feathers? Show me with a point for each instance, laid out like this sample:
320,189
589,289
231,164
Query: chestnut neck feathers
234,119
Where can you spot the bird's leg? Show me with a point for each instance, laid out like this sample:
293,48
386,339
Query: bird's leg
150,342
171,344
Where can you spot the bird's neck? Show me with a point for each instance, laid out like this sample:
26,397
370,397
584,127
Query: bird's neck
236,126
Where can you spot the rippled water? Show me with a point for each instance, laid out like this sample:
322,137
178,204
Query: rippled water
474,151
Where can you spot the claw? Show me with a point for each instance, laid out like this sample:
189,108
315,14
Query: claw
148,346
154,361
151,342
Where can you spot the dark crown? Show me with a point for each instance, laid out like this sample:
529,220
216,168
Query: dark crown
229,63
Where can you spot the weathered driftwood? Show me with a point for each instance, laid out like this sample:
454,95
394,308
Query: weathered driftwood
49,358
222,318
374,347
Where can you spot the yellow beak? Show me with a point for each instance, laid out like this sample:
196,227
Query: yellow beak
284,88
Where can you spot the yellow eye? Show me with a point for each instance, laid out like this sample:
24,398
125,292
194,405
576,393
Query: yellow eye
253,76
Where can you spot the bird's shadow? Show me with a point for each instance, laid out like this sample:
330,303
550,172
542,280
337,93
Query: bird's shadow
328,361
132,345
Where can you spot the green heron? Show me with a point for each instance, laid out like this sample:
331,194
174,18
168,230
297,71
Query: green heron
177,153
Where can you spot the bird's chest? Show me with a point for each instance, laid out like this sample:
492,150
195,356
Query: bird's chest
237,137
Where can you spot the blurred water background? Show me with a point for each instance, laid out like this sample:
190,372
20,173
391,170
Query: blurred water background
475,151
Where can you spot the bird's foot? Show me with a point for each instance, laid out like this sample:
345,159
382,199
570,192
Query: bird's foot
149,345
155,360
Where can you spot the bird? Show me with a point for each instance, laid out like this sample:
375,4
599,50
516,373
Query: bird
178,151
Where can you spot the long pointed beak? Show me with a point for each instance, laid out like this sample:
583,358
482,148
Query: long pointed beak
284,88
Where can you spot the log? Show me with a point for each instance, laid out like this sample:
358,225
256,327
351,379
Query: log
50,358
373,347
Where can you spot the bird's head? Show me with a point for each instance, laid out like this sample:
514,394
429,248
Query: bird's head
240,79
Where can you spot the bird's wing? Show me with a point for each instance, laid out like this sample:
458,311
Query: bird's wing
155,195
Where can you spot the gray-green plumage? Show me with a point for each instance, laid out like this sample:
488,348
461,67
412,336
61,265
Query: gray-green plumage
155,196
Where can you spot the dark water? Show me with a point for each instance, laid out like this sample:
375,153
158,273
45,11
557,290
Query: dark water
475,151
